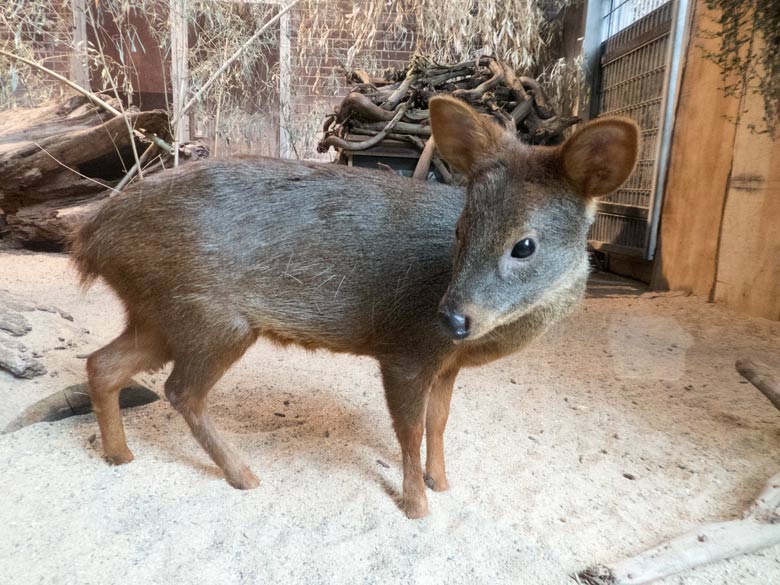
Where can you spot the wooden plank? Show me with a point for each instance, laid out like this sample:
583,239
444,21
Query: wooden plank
388,147
622,210
699,165
616,249
748,274
79,68
285,84
179,69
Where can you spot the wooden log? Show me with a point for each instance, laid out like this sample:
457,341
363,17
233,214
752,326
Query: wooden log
50,224
64,150
360,107
424,163
759,374
74,401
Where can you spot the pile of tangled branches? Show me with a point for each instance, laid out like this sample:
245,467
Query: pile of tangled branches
396,107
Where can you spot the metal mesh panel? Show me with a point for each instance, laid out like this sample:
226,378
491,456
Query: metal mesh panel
620,231
631,84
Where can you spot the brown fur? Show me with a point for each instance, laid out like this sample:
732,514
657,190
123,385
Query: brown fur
208,258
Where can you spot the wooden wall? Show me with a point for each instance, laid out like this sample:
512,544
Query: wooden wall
720,222
748,271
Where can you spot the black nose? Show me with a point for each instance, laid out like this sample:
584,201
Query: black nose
457,325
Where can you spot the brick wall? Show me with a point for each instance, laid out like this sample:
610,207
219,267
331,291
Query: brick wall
318,81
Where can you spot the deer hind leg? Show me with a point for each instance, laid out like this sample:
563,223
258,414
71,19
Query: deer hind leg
406,391
187,388
137,349
437,412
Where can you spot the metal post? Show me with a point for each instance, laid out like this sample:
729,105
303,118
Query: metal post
79,71
591,49
678,46
179,69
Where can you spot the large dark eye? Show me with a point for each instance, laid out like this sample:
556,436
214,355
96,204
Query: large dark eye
524,248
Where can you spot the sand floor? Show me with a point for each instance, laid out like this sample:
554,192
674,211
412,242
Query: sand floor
538,449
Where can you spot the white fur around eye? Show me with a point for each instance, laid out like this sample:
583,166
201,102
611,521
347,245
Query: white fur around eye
508,265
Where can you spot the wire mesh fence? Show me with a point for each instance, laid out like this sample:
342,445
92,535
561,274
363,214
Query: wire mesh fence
631,83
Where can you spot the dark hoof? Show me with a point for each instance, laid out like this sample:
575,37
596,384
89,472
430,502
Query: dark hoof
244,480
437,485
119,458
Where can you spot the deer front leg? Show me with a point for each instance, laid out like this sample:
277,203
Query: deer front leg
406,392
438,411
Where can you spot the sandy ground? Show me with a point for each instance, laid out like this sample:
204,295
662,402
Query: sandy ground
538,446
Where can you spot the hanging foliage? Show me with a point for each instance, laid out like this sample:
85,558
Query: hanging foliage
749,53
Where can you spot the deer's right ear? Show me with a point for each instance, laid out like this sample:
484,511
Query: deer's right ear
464,137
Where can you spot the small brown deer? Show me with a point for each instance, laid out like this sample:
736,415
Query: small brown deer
425,278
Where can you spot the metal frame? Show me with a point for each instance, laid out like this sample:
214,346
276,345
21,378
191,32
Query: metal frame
593,47
615,7
680,32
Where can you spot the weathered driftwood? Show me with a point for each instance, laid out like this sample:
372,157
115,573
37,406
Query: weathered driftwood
16,360
73,401
471,95
365,145
424,163
759,374
356,105
487,84
437,162
759,527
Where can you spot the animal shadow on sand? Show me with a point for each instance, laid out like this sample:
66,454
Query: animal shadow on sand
266,422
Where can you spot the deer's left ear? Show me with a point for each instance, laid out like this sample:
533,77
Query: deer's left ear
465,139
599,158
